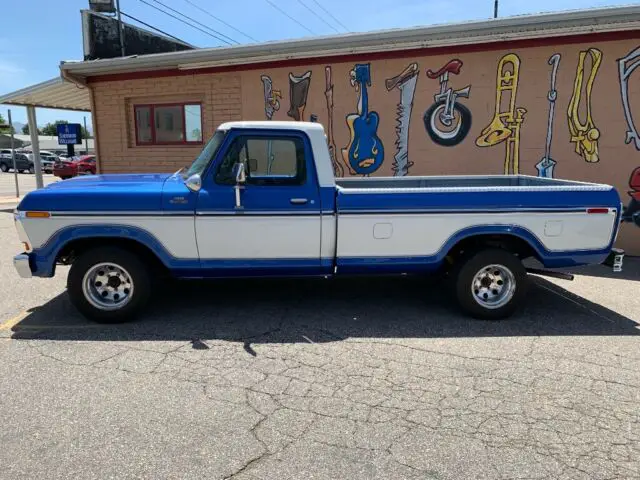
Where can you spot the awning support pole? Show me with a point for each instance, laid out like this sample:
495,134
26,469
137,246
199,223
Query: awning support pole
13,155
35,145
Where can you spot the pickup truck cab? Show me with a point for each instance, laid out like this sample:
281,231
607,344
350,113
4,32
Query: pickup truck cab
261,200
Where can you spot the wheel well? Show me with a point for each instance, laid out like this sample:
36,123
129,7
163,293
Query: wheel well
505,241
74,248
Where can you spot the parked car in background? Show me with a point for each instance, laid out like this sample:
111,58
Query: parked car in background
23,163
85,165
46,160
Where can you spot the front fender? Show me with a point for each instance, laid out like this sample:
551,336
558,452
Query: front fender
43,259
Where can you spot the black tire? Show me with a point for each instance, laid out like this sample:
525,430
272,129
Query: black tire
20,171
466,269
140,278
32,170
465,120
65,177
4,168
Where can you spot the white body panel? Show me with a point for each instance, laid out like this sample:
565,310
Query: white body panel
390,235
176,233
258,237
378,235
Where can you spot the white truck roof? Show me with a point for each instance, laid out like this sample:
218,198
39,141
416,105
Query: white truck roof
269,124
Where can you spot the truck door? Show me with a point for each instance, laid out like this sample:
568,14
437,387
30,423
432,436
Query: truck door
275,227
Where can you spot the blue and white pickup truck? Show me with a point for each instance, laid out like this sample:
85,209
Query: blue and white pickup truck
261,200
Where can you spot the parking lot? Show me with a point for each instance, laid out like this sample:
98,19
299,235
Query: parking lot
357,379
26,183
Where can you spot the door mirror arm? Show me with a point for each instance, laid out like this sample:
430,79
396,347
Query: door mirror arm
241,178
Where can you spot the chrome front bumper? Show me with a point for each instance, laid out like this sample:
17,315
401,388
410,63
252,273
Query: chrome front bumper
21,262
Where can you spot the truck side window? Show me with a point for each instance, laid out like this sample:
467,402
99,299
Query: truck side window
268,161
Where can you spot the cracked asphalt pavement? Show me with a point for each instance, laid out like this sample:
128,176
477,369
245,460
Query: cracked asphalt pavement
321,379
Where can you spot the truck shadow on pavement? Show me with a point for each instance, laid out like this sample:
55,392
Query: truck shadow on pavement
316,311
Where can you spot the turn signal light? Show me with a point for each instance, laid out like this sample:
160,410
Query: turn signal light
37,214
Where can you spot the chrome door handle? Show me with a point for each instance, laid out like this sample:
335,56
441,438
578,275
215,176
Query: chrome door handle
298,201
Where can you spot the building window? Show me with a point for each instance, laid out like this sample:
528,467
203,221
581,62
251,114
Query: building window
168,124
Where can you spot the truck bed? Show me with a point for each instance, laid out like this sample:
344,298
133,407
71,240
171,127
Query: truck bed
418,219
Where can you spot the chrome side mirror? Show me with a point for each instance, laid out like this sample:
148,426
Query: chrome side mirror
194,183
239,173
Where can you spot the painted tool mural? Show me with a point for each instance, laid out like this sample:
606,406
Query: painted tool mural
338,170
546,166
406,82
365,153
505,125
585,134
298,93
271,97
626,66
446,121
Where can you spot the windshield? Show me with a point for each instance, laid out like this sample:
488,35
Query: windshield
207,153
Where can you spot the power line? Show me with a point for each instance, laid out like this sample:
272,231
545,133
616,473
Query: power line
329,13
221,21
290,17
318,16
199,23
154,28
214,35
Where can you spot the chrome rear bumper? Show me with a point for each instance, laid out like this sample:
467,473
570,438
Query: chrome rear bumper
615,259
21,262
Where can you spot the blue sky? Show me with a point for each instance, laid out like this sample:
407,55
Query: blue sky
32,46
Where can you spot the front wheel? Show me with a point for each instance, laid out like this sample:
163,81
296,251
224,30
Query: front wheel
4,167
108,284
32,170
489,284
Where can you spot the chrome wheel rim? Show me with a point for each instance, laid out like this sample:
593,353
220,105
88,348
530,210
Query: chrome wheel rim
493,286
107,286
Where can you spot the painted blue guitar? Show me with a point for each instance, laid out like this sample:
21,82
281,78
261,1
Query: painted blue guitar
365,152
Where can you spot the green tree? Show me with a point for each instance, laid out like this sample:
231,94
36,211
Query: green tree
51,129
25,130
4,126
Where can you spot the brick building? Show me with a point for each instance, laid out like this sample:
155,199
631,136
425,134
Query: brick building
549,95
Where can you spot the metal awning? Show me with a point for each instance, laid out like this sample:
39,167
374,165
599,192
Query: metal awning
54,93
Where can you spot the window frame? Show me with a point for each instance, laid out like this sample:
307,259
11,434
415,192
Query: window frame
152,107
266,181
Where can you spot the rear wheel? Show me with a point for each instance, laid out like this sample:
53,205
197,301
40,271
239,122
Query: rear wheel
489,284
4,167
109,284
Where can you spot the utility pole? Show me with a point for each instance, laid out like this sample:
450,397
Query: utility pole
495,9
121,28
13,156
86,138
